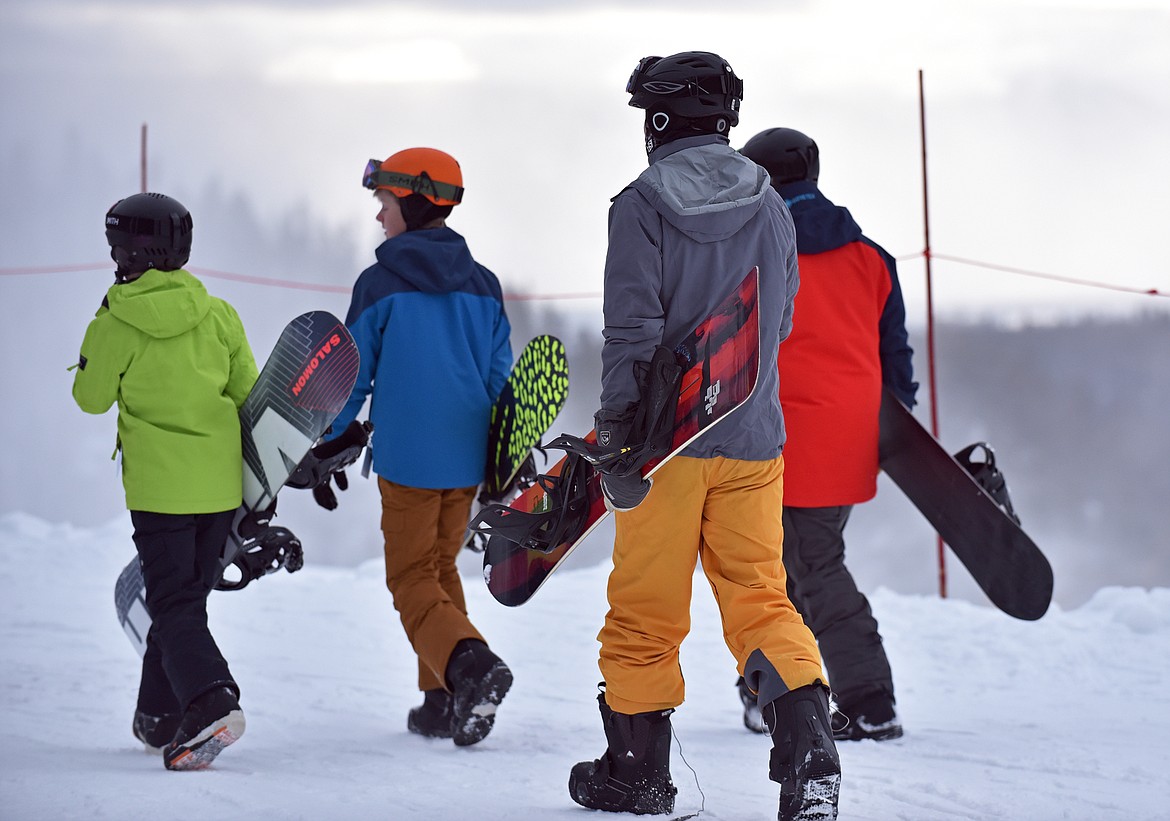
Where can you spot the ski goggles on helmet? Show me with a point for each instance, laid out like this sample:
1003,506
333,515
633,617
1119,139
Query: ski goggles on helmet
638,71
375,177
678,82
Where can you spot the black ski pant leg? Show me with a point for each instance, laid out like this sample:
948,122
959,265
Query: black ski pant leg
180,556
825,593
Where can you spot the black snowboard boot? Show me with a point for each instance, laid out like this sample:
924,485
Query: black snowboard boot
872,717
633,775
212,722
804,758
155,732
751,708
433,718
478,680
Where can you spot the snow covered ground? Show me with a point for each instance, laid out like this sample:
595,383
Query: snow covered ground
1065,718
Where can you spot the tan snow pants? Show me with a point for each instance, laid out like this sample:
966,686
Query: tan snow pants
727,514
424,531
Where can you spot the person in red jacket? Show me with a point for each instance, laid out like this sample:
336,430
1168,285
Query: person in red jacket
848,341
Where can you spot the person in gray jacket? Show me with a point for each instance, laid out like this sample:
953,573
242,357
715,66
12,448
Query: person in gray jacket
681,237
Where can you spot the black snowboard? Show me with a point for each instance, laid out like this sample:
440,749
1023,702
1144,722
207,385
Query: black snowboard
1001,557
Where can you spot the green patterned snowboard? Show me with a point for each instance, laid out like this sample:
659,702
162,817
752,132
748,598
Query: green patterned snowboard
532,397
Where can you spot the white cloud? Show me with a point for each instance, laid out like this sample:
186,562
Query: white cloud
410,61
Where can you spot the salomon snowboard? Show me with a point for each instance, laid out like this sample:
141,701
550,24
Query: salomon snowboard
530,401
720,363
966,502
304,385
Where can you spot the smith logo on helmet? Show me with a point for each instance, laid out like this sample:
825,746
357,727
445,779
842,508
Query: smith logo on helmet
663,87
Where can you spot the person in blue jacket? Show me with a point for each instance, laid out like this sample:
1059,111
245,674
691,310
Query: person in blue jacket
434,340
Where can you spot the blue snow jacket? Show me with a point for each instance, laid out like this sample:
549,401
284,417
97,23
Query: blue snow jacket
430,325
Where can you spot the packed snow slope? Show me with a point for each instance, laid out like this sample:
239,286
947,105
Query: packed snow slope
1065,718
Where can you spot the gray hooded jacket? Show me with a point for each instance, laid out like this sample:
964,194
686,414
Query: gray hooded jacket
681,237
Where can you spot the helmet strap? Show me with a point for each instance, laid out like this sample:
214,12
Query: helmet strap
661,128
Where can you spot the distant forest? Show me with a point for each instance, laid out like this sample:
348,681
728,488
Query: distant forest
1079,413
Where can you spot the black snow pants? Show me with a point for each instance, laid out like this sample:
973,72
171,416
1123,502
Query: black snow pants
834,609
180,566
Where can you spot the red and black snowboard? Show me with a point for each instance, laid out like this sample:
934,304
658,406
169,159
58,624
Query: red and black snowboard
304,385
720,360
966,503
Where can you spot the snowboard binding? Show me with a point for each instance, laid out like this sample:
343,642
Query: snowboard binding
562,520
330,457
643,430
988,476
275,548
526,476
266,548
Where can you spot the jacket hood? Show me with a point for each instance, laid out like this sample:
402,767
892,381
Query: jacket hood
703,187
820,225
161,304
434,260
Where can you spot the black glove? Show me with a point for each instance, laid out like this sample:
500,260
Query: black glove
624,492
325,495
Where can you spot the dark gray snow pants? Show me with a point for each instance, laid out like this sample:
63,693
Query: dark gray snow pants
834,609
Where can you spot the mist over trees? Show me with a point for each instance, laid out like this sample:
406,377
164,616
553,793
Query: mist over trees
1078,414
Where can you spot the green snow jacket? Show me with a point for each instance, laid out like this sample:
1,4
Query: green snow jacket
178,364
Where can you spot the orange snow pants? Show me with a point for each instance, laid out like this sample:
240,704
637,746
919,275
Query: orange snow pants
725,513
424,531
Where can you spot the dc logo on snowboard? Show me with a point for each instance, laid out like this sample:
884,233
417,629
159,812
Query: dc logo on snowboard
711,398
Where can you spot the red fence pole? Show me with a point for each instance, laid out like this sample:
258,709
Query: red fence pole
942,562
142,158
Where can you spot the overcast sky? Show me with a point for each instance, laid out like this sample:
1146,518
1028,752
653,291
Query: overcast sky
1048,124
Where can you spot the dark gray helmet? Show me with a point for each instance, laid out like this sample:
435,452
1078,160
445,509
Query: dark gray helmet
786,154
148,231
694,92
693,84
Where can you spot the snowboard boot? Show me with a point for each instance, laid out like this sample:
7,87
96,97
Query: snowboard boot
873,718
433,718
155,732
633,774
478,680
212,722
751,708
804,758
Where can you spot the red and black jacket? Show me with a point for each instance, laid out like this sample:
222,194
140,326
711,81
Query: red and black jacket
848,339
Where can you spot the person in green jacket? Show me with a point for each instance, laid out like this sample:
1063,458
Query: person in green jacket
177,363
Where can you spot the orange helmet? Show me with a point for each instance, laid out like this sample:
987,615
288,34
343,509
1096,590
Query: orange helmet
427,171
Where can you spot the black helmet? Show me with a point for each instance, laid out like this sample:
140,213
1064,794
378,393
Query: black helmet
786,154
148,231
691,92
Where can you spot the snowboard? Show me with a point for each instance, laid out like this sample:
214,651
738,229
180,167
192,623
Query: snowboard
720,360
980,526
304,385
531,399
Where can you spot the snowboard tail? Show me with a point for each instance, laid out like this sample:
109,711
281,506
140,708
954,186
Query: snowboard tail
720,360
304,384
975,519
